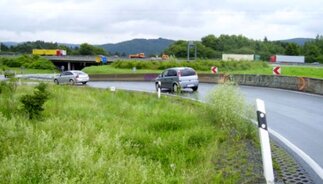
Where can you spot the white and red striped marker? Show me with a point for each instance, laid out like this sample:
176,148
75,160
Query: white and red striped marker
214,69
277,70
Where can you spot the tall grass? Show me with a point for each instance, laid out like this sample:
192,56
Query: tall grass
97,136
200,65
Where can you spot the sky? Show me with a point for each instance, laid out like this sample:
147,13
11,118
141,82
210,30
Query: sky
113,21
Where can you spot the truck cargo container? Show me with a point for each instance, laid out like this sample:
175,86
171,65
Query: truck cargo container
238,57
49,52
287,59
140,55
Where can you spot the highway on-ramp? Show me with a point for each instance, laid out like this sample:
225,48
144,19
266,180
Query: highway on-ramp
296,116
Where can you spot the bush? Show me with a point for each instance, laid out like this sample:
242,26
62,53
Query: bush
34,62
227,108
33,104
11,62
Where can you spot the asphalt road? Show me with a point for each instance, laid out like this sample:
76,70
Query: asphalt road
296,116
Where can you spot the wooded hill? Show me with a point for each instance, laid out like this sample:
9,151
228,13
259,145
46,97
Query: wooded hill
213,47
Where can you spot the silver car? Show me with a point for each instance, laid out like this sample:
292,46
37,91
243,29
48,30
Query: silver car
178,78
72,77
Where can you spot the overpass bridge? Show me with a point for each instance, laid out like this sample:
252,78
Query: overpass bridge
78,62
71,62
75,62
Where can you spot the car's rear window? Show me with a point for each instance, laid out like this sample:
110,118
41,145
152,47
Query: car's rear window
188,72
80,73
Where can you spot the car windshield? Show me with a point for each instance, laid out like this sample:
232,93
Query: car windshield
187,72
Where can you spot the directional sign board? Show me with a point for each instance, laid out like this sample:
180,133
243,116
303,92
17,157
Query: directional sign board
277,70
214,69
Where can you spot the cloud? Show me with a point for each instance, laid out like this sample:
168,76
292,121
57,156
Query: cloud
102,21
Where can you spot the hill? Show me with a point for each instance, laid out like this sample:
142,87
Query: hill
299,41
9,44
147,46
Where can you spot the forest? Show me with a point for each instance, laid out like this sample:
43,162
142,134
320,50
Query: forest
212,47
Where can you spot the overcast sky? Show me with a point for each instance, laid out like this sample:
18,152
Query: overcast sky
112,21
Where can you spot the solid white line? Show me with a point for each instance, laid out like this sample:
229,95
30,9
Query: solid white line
315,166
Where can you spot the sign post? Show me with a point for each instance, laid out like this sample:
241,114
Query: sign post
264,141
158,89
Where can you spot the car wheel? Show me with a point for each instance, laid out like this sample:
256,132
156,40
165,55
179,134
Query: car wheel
195,88
83,83
176,88
71,82
56,81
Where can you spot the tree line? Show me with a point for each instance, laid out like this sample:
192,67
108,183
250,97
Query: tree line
27,47
212,47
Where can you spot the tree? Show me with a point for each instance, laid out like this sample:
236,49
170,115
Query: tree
311,52
292,49
87,49
209,41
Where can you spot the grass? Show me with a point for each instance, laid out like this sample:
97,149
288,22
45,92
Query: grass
232,68
297,71
97,136
31,71
108,69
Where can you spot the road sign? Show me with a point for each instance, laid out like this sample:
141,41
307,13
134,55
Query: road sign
214,69
277,70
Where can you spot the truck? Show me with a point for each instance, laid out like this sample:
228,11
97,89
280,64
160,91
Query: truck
165,57
238,57
140,55
49,52
287,59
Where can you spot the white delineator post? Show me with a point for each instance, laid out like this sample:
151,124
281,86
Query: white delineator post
159,89
264,141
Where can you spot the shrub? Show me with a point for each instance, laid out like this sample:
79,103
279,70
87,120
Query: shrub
35,62
227,108
33,104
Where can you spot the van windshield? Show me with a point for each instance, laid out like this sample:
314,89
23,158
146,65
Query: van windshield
187,72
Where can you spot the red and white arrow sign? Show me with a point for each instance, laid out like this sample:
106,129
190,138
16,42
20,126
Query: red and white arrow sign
214,69
277,70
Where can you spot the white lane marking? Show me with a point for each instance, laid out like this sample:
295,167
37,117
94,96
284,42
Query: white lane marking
315,166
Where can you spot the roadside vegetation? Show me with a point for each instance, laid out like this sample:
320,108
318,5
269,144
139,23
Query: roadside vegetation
224,67
90,135
27,62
